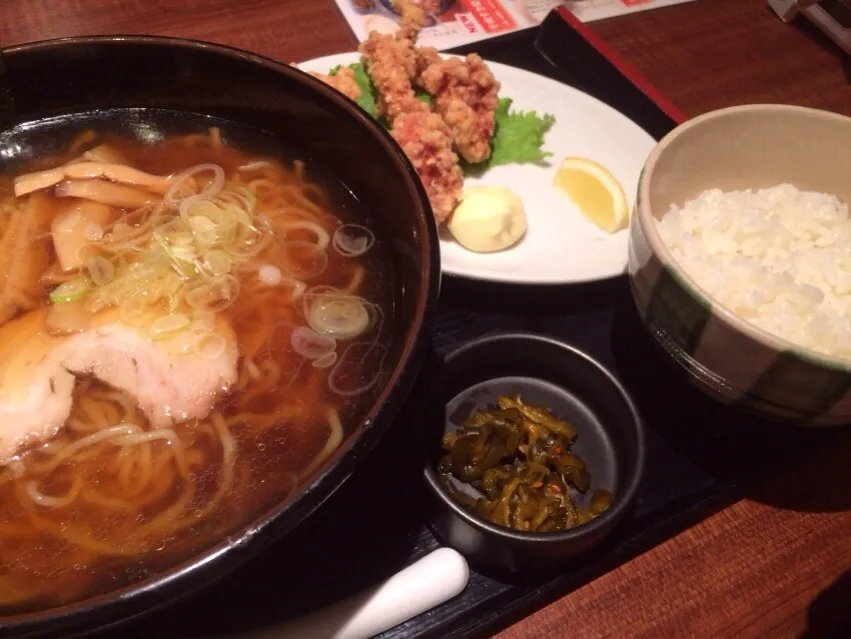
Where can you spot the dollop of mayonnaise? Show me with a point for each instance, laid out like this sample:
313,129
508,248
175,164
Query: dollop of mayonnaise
488,219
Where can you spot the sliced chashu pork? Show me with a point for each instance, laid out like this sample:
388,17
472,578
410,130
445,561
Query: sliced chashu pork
35,391
170,386
170,382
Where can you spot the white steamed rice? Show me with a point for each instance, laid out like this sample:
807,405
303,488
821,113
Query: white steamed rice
778,257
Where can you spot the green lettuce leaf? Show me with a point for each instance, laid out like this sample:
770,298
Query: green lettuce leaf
367,90
422,96
519,136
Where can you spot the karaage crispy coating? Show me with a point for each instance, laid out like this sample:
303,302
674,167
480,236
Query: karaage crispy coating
465,95
424,136
343,81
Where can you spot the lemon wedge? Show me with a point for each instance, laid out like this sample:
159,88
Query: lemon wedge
595,191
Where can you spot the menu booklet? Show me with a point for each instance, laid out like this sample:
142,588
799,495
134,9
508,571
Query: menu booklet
452,23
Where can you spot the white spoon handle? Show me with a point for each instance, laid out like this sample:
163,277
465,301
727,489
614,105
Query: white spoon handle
435,578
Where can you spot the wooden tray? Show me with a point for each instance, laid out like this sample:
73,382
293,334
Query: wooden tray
698,453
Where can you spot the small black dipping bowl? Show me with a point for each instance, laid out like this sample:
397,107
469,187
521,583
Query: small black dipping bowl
575,387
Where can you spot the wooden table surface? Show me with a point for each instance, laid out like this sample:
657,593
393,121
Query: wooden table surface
774,564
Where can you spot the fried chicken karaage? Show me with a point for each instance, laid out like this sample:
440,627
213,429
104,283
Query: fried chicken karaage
344,81
412,19
426,139
464,95
390,64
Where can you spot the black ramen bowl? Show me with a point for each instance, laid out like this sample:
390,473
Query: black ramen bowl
549,373
290,110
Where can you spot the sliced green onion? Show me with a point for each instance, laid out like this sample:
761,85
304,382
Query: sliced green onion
352,240
173,303
326,361
210,346
214,295
69,291
164,325
218,262
180,342
227,287
146,279
201,224
252,199
178,246
337,315
136,311
180,238
322,237
173,259
249,249
204,207
203,322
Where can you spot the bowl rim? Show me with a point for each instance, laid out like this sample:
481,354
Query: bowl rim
200,569
664,255
602,524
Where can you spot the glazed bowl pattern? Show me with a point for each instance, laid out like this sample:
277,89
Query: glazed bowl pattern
745,147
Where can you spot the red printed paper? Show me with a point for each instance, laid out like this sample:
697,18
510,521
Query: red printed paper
491,15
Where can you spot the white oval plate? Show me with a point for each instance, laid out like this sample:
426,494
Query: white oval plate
560,246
